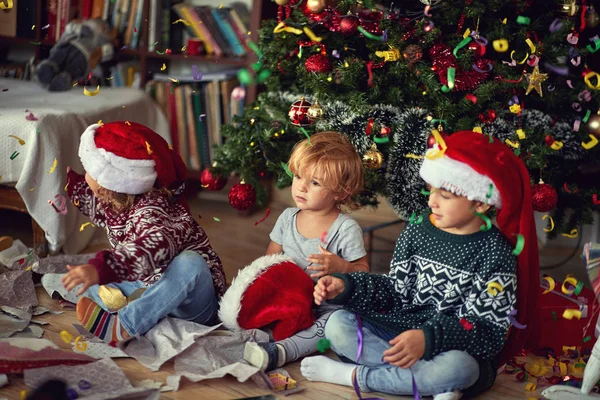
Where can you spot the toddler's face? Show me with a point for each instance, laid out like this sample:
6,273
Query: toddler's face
309,193
452,213
92,183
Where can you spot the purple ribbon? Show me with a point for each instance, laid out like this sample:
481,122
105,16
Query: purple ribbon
515,100
489,68
513,321
359,353
555,25
564,71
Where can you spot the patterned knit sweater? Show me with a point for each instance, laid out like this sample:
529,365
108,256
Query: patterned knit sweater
144,239
444,284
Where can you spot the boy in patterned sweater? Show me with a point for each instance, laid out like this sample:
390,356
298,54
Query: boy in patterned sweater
131,188
441,316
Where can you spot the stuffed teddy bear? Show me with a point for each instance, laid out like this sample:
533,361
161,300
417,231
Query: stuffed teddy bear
81,47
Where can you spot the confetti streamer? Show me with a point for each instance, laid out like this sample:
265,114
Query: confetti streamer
82,227
46,27
21,141
197,75
90,94
263,218
466,324
572,284
164,66
551,284
591,143
520,245
183,21
551,223
513,321
287,169
487,220
32,117
53,167
571,313
568,190
66,337
414,220
494,288
14,155
174,80
425,192
571,235
80,344
216,219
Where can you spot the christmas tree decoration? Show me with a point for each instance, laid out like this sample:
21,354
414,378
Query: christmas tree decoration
373,159
477,49
315,111
570,7
412,53
592,125
535,81
212,181
281,2
315,6
349,25
242,196
544,197
318,63
299,113
592,19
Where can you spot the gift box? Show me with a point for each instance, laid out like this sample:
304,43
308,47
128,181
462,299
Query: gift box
567,319
282,382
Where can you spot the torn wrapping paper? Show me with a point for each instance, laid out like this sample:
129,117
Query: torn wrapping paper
166,340
19,354
55,289
218,354
151,384
9,325
58,264
39,310
106,379
95,347
17,289
31,331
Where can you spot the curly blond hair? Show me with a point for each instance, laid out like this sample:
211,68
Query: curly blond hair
339,165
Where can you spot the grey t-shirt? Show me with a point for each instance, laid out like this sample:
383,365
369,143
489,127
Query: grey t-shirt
344,238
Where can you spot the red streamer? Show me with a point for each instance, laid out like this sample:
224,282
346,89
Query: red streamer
566,187
264,218
595,199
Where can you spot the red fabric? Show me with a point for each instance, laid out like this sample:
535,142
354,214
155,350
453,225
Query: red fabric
510,176
128,140
281,297
15,360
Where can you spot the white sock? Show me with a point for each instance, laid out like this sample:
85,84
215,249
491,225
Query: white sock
448,396
280,355
324,369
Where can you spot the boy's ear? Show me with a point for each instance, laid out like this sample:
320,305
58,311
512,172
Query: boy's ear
482,208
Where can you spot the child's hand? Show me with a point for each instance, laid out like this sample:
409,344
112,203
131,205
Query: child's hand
85,274
327,288
68,169
326,263
407,348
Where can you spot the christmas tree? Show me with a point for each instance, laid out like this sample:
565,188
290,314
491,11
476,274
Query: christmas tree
388,75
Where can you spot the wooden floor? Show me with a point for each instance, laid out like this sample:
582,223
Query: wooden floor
238,241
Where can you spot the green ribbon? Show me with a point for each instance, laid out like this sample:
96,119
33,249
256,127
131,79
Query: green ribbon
451,75
462,44
369,34
522,20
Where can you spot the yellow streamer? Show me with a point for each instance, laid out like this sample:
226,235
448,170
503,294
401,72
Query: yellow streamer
53,167
66,337
514,145
570,313
494,288
8,6
500,45
100,123
521,134
551,284
518,62
570,280
164,66
467,33
434,152
311,35
414,156
282,27
88,93
21,141
571,235
82,227
148,149
588,80
183,21
551,223
477,129
556,145
531,45
530,387
76,202
80,344
589,145
127,123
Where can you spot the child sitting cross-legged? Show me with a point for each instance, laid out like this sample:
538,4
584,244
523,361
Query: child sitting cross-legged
442,314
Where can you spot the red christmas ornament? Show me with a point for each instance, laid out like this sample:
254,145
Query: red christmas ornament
549,140
318,63
430,141
299,113
489,116
477,49
543,197
385,130
349,25
442,59
242,196
211,181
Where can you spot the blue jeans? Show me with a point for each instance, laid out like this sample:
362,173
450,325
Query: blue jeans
446,372
185,290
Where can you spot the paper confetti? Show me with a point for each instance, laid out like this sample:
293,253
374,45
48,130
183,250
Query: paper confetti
217,219
46,27
127,123
164,66
31,117
53,167
183,21
197,75
21,141
263,218
148,149
82,227
14,155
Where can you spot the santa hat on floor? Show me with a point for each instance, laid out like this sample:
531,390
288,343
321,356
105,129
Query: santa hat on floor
128,157
272,291
469,165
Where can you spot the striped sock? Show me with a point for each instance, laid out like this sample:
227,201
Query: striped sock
100,323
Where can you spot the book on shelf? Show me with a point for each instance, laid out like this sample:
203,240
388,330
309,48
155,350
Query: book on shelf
206,76
196,112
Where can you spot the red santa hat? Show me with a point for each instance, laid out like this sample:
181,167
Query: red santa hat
469,165
128,157
273,291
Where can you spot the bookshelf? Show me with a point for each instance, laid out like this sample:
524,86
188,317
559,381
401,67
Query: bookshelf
149,62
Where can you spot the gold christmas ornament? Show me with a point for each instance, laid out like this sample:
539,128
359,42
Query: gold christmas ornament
535,81
315,6
112,297
593,125
315,111
281,2
373,159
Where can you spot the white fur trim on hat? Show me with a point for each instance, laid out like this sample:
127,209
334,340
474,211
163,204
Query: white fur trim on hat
113,172
460,179
231,302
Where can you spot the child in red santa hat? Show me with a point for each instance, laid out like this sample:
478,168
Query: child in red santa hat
132,188
327,173
440,318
